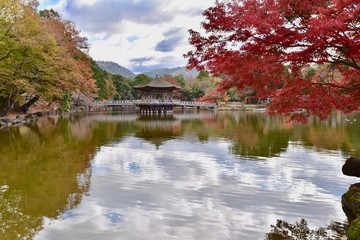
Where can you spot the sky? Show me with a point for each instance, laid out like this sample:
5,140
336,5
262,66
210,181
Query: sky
140,35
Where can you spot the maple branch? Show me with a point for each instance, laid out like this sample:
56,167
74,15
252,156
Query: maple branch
7,55
347,63
8,30
296,12
338,86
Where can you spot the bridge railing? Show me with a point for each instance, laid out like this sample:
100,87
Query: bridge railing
114,102
197,104
155,102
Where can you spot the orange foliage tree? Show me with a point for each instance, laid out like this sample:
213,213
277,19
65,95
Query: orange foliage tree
34,62
73,45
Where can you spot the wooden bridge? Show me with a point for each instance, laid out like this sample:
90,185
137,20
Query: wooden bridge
153,105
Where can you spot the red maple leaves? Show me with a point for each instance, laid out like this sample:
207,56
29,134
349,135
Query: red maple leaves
265,45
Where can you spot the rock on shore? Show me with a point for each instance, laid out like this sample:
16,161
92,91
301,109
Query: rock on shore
352,167
20,120
351,199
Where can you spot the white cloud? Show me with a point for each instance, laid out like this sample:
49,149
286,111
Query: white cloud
123,30
82,3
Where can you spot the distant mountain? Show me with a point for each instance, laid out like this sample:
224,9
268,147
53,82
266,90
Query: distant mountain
120,70
173,72
115,69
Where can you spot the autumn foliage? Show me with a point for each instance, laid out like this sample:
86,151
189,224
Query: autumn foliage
72,46
42,56
266,45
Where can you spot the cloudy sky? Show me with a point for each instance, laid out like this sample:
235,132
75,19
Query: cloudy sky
138,34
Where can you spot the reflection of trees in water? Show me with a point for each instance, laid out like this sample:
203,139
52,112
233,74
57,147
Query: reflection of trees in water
353,135
339,132
323,137
45,170
255,135
252,134
39,174
283,230
253,141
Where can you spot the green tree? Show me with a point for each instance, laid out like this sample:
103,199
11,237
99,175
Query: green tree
181,80
122,86
140,79
203,74
100,76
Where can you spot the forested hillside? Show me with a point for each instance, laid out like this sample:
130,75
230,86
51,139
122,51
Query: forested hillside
115,68
173,72
111,86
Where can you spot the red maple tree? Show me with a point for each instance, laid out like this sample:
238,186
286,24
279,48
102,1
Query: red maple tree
266,44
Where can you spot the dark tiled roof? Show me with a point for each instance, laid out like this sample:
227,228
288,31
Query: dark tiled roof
156,83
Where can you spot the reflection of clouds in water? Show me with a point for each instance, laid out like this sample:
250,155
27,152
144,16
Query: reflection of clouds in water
114,217
4,188
128,159
198,191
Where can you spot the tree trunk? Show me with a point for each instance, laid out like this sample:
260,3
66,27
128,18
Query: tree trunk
24,108
10,102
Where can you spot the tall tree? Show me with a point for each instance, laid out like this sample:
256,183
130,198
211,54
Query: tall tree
75,46
32,63
26,54
109,89
253,43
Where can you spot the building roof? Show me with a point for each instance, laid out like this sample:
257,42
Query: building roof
157,83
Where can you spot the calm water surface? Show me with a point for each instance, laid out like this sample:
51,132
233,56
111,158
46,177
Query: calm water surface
191,176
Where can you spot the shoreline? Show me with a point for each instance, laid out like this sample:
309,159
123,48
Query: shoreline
14,119
18,119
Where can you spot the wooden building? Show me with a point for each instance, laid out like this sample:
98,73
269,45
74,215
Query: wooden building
156,96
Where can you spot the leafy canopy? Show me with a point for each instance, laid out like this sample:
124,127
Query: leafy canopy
41,56
265,44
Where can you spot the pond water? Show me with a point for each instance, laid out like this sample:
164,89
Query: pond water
207,175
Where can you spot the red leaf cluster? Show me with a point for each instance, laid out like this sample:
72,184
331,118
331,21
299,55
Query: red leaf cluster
265,44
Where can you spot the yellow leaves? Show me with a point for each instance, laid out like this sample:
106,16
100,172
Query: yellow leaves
9,10
109,90
40,56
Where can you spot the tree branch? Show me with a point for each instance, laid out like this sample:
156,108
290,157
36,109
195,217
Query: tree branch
6,56
338,86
